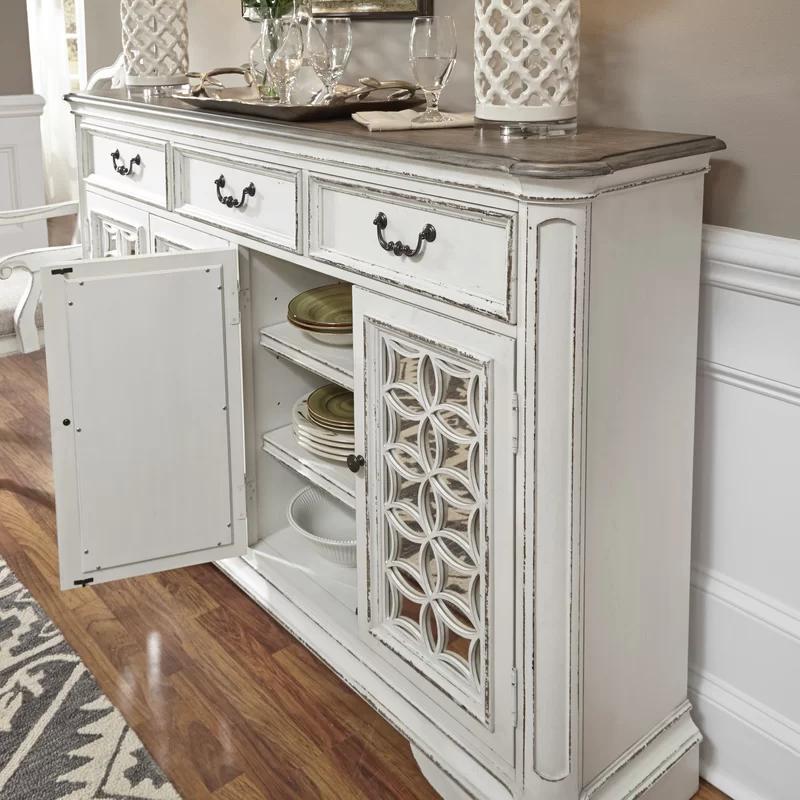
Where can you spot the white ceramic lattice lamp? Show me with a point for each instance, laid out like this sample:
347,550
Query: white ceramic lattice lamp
527,56
155,42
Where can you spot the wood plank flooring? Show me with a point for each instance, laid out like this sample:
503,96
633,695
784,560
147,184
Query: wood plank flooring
228,703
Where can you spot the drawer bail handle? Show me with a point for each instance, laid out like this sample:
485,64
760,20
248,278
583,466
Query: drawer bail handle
230,201
381,222
121,168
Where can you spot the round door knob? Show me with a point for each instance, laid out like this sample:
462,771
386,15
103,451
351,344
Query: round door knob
355,463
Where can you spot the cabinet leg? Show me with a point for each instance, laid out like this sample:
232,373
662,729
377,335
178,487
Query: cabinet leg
447,788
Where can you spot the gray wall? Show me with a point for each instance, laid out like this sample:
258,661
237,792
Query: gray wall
15,57
727,67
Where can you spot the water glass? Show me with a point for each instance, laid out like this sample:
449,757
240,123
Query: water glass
432,52
328,48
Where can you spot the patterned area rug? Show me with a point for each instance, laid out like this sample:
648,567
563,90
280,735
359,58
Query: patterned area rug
60,737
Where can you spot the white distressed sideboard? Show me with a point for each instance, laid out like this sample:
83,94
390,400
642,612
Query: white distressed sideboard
524,391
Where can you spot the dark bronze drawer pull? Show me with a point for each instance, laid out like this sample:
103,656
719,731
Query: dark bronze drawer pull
230,201
121,168
398,248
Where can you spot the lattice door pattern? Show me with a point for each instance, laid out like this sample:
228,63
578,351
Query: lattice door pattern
527,56
432,515
155,41
116,240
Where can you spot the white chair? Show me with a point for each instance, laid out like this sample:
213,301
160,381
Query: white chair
20,288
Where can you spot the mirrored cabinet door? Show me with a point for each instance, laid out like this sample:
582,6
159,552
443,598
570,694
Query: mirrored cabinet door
115,230
438,490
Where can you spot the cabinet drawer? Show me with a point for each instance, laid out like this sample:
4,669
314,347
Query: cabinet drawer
467,254
127,165
255,199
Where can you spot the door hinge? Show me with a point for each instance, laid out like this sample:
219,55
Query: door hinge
244,303
84,582
514,698
249,488
515,423
61,271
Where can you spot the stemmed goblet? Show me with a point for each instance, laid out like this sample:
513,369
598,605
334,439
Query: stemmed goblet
328,48
432,52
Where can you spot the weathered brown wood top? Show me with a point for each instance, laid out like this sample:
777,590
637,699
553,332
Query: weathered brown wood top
591,152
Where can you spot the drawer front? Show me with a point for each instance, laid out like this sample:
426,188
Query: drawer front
128,165
465,254
255,199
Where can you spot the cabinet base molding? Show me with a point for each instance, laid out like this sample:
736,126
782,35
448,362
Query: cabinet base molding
661,766
437,777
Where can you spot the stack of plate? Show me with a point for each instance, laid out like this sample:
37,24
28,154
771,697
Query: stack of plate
325,313
323,422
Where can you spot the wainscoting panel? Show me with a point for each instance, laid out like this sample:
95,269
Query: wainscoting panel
21,177
745,640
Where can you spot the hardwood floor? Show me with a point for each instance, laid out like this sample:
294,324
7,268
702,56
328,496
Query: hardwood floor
227,702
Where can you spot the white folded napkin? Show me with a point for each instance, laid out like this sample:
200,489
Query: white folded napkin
403,120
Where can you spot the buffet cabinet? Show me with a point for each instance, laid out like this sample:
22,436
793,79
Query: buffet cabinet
522,368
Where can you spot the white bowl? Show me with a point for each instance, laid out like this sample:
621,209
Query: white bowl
326,523
336,339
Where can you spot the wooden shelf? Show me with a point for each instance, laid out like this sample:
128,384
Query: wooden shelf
331,476
328,360
288,554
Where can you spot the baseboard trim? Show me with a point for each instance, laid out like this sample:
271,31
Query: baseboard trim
765,721
649,760
751,752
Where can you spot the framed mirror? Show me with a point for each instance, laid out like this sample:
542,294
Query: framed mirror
371,9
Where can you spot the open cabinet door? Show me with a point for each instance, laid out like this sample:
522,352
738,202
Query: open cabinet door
144,370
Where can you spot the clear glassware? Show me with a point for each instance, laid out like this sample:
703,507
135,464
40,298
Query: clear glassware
259,67
282,51
432,52
328,48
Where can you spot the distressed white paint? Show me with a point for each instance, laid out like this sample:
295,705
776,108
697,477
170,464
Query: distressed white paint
271,214
146,180
147,417
593,283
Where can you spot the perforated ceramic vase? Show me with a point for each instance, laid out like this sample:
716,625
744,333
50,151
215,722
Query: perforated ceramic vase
527,56
155,42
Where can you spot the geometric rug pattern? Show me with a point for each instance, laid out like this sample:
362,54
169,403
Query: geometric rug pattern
60,736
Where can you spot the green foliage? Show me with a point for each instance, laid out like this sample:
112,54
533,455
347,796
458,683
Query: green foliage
270,8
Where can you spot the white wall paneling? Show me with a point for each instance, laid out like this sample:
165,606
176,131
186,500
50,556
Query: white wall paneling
21,176
745,642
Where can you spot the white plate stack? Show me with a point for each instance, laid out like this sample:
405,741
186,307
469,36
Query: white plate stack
334,445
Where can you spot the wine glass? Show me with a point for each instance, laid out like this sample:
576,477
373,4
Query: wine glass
432,52
328,48
283,54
